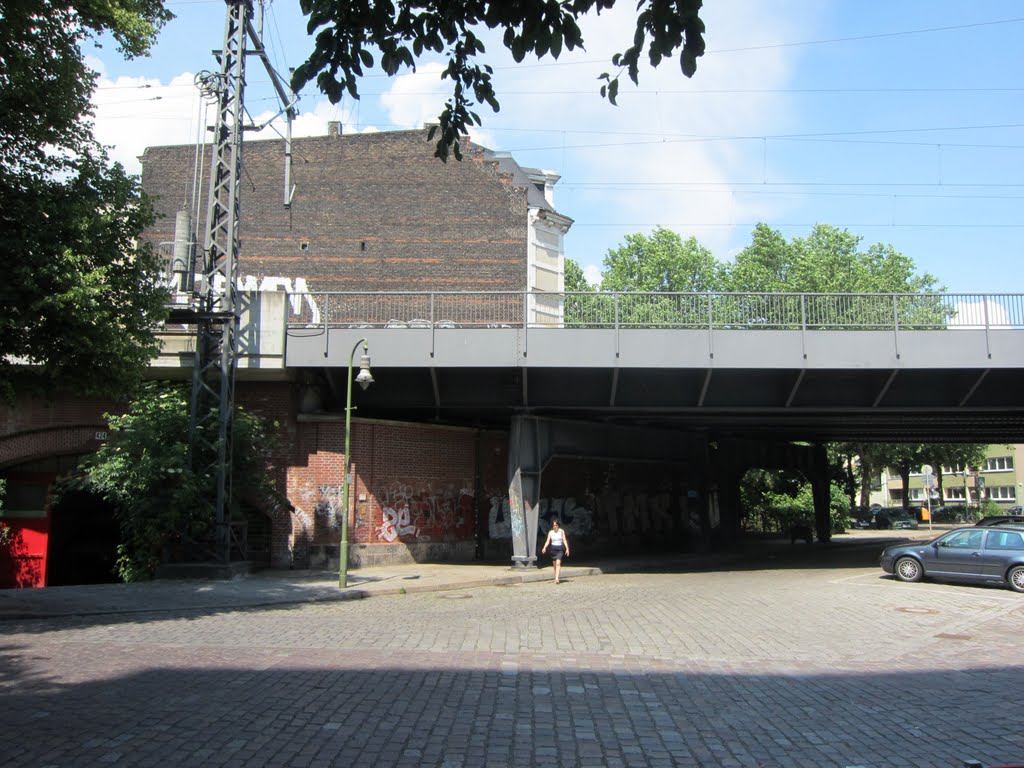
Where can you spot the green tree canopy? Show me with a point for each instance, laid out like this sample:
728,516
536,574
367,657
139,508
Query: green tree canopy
352,36
661,262
828,260
80,297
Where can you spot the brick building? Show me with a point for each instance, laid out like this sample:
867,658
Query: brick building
377,212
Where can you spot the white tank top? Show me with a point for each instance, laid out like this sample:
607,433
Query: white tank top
556,538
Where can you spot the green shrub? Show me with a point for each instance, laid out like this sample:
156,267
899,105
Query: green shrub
158,495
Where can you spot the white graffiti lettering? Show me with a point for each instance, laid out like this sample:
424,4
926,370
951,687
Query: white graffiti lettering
396,523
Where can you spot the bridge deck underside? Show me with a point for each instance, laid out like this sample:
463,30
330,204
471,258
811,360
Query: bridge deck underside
835,386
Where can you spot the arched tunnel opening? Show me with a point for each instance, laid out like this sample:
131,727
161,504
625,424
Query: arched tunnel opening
84,535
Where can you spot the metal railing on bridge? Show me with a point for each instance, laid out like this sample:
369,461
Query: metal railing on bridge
708,311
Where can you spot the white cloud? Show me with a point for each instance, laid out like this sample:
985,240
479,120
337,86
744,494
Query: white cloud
307,123
977,315
415,98
132,113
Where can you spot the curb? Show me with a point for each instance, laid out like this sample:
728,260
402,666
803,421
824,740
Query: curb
349,593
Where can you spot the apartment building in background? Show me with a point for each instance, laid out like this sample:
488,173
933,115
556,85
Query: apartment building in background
999,478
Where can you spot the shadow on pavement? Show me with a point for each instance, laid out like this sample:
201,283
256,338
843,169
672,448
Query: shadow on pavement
345,707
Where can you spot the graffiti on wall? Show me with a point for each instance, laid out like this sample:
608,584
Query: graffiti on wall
296,288
328,509
575,517
499,519
612,512
302,303
571,515
424,514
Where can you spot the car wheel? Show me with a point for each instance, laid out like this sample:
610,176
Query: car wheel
908,569
1015,578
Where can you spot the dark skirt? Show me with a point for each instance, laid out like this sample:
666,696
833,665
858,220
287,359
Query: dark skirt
557,552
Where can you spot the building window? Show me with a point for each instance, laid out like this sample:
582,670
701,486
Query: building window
999,464
956,469
1001,493
956,493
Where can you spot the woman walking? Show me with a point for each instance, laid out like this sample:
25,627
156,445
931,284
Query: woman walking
559,544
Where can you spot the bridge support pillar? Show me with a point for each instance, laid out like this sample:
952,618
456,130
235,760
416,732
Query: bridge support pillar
821,493
526,458
725,475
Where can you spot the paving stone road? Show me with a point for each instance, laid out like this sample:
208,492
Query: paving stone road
794,662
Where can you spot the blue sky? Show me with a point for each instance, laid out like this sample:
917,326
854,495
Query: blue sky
900,120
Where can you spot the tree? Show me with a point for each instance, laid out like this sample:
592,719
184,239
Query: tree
904,458
763,266
144,472
830,261
581,303
575,280
662,263
79,297
940,455
349,31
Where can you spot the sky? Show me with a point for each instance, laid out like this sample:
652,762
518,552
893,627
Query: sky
899,120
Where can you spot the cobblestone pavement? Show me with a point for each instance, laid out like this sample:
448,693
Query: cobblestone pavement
798,661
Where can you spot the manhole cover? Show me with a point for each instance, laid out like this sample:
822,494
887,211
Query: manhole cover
917,610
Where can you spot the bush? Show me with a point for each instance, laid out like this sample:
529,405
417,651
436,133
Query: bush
158,495
990,509
779,512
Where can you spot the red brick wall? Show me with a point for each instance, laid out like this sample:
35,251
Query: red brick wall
416,489
371,212
36,429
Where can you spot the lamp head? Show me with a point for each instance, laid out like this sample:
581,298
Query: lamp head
364,378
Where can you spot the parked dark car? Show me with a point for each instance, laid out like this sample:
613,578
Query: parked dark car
975,554
903,521
860,517
999,520
893,517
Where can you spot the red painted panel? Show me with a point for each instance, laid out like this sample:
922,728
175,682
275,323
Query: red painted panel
23,562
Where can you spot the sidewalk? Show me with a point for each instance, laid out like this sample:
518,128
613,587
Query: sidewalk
279,587
270,587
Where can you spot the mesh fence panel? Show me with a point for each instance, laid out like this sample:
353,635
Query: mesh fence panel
661,310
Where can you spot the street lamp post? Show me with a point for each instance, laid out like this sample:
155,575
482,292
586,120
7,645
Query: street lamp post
365,379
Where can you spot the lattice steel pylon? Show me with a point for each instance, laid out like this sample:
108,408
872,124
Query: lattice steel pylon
212,407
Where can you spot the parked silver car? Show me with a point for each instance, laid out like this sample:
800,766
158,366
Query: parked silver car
994,554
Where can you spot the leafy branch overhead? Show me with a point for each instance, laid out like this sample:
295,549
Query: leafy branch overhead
81,294
352,36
